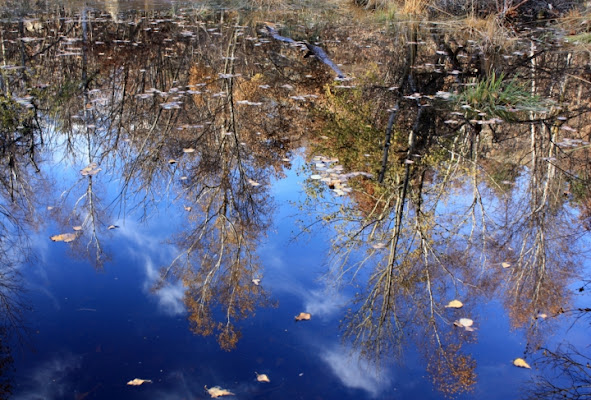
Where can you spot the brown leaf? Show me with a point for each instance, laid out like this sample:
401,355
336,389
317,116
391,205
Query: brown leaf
303,316
217,391
520,362
91,169
64,237
454,304
263,378
253,183
138,382
465,323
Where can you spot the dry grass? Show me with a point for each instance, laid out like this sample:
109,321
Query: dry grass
489,32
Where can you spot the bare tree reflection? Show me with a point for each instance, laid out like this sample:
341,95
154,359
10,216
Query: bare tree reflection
565,374
446,224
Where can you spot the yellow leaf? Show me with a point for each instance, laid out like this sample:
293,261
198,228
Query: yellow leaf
137,382
77,228
217,391
454,304
262,378
520,362
303,316
189,150
505,265
64,237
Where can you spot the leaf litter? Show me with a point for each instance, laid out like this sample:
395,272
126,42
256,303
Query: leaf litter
454,304
521,363
217,391
465,323
138,382
303,316
64,237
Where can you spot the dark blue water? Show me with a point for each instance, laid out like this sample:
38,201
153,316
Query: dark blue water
97,313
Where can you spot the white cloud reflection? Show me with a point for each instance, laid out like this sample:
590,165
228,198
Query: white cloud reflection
356,372
152,253
170,296
49,380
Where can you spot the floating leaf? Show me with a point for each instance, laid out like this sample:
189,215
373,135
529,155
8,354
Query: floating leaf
263,378
521,363
253,183
454,304
172,161
112,227
542,315
217,391
90,170
187,208
303,316
77,228
64,237
138,382
465,323
189,150
256,281
505,264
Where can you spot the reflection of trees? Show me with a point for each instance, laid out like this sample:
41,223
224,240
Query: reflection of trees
565,374
444,221
127,98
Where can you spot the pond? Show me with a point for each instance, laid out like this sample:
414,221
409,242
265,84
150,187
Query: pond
291,201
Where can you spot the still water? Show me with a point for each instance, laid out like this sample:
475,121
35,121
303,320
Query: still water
285,203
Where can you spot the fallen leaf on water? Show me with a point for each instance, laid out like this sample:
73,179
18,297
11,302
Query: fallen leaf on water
189,150
217,391
112,227
303,316
77,228
64,237
505,265
262,378
138,382
454,304
256,281
172,161
187,208
543,315
90,170
465,323
253,183
521,363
